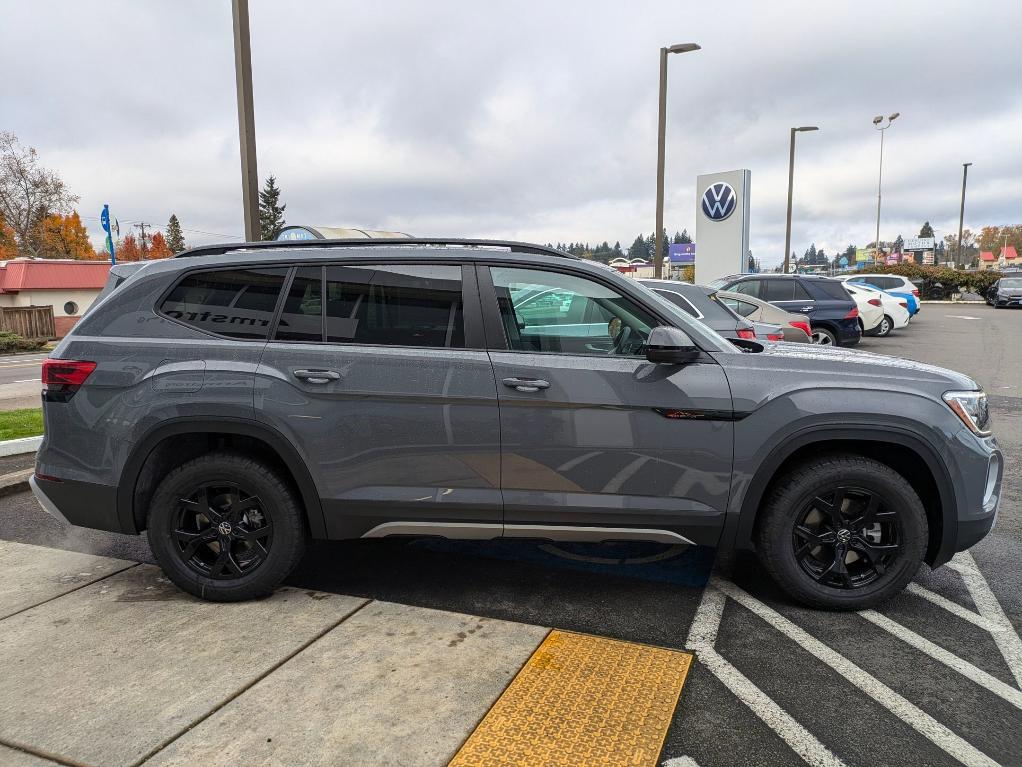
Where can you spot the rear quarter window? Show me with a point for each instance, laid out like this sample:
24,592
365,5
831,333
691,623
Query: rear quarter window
237,303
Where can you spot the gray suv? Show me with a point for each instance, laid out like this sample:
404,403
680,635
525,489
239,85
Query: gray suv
235,401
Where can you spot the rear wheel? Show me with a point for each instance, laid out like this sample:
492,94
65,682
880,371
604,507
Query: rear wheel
842,532
226,527
824,337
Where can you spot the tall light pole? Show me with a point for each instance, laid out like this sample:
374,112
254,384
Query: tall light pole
878,123
791,179
246,119
961,213
658,261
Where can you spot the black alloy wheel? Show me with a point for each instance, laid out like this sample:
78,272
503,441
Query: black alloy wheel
846,537
222,531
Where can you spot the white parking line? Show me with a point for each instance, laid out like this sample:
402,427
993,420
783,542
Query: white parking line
952,607
909,713
938,653
701,639
1006,639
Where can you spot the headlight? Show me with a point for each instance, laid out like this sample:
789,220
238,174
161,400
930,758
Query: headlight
971,407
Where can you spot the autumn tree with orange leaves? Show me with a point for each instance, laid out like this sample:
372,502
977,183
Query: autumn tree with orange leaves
8,243
128,250
64,237
158,247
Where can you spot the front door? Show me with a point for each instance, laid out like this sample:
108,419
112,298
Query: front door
593,435
372,374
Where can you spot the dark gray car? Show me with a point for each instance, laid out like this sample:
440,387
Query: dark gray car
235,401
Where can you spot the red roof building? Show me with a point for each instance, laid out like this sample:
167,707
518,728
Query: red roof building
986,255
1008,253
67,285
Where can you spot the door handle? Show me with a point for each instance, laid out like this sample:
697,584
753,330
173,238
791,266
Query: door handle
317,376
806,309
526,384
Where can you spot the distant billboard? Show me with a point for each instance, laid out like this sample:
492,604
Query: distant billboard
861,255
682,253
919,243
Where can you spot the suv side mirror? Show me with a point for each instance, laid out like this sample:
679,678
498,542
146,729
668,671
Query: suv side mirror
670,346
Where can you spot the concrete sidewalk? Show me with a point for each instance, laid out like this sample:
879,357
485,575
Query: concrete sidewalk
106,663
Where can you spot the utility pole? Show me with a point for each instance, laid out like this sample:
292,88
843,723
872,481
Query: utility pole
961,213
791,181
141,225
246,120
658,259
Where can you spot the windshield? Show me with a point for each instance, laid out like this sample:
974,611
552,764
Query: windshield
1011,282
711,339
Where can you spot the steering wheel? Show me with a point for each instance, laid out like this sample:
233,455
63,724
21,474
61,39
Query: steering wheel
619,341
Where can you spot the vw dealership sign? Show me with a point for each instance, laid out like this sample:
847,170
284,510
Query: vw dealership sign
722,224
719,201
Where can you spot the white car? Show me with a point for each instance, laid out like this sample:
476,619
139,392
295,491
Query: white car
895,309
871,313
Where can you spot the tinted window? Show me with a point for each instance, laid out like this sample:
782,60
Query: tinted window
302,316
801,294
680,301
832,289
395,305
232,302
778,290
743,308
748,287
551,312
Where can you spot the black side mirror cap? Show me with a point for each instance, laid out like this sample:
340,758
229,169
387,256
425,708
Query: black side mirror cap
670,346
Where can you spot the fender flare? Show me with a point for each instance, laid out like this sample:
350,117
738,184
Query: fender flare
938,551
277,442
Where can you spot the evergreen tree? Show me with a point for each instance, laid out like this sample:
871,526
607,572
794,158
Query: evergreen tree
683,238
271,212
617,252
927,230
175,237
639,248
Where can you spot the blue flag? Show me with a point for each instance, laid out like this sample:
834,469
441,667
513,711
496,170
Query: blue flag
104,219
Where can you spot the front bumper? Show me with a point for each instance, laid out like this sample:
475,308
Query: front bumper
84,504
1008,301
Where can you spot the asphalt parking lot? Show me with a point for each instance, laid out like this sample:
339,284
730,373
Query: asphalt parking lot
931,678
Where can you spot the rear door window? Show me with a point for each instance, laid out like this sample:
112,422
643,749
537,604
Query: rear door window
748,287
237,303
833,290
778,290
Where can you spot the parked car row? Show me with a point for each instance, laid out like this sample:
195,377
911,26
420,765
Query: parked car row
831,312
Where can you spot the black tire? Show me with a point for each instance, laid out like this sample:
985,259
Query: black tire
885,327
226,497
795,552
823,337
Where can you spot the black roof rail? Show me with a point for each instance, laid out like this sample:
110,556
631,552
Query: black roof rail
514,247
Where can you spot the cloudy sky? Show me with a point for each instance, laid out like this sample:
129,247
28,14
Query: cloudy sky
532,121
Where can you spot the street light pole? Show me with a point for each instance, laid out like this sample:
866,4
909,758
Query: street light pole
246,120
658,261
961,213
791,179
878,124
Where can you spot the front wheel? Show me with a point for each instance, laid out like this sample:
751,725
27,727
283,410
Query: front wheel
226,527
842,532
885,327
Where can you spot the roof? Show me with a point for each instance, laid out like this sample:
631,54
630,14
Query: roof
374,243
1008,253
986,255
52,274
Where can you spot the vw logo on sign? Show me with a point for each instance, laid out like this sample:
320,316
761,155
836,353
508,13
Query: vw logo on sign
719,201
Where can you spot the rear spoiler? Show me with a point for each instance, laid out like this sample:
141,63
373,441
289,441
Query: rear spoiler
118,274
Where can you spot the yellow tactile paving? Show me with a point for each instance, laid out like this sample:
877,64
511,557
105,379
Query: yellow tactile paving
581,700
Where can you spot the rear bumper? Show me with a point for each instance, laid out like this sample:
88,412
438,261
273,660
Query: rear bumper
83,504
847,332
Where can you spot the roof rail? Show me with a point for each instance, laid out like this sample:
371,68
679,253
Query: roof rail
514,247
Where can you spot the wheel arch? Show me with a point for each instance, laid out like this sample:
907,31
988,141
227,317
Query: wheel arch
906,453
178,439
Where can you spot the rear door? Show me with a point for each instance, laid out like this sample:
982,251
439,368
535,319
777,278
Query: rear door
593,435
377,373
788,294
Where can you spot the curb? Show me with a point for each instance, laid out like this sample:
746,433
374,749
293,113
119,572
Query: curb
15,482
20,446
952,302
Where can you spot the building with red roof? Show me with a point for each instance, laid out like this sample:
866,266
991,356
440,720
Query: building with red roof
69,286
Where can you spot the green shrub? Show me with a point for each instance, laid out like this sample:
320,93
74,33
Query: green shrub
12,342
940,282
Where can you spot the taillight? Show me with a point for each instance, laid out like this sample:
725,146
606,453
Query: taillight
747,334
874,302
803,326
853,313
775,336
62,378
915,293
